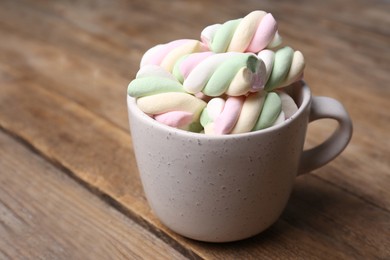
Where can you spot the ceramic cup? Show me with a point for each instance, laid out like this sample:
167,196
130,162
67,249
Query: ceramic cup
230,187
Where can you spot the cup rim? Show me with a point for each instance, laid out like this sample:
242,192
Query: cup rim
137,112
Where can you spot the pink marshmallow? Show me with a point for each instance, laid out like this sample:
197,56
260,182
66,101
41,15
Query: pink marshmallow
229,116
192,61
164,50
264,34
175,118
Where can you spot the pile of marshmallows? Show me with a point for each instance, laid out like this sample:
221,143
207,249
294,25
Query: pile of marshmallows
229,82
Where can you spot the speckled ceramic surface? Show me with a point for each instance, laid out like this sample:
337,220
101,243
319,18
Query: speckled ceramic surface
226,188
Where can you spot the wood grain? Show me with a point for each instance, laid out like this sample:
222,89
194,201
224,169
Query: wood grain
64,68
42,215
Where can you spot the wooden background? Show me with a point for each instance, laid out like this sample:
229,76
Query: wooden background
69,186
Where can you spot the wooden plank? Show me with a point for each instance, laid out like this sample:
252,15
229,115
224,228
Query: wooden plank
46,214
319,222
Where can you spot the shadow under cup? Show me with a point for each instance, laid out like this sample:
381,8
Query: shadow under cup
219,188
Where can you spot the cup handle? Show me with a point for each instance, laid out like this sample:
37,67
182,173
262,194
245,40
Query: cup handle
325,107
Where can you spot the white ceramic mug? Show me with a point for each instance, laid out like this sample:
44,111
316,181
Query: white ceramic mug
230,187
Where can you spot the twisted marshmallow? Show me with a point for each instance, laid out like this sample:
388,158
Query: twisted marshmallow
252,33
285,66
232,73
166,55
162,97
245,114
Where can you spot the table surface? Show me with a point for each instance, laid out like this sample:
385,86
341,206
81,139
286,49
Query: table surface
69,185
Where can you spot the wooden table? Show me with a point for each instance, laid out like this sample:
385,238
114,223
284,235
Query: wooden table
69,185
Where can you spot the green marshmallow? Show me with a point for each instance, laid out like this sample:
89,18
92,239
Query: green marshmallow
176,69
281,67
270,112
224,35
222,77
153,85
205,119
195,127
